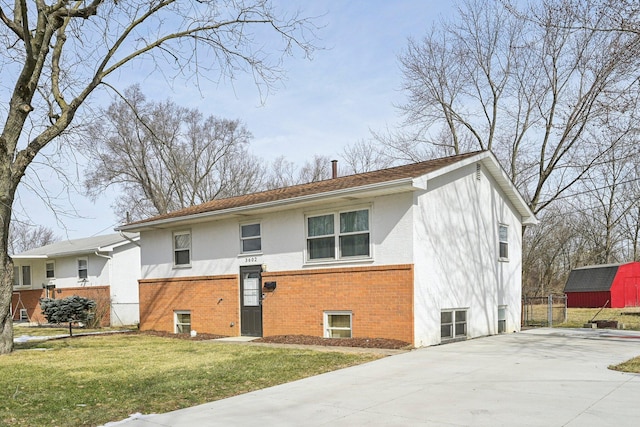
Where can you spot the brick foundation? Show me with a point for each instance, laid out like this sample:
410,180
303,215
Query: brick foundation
30,300
212,300
379,298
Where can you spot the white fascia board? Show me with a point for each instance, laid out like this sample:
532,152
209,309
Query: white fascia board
407,183
29,256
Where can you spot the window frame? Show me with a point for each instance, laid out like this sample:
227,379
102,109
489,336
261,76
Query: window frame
253,237
327,328
502,322
503,242
337,235
86,269
175,250
53,270
454,323
23,275
16,276
177,325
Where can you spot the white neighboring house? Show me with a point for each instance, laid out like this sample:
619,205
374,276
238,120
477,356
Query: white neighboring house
423,253
102,267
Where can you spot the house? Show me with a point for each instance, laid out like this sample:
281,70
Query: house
103,268
424,253
613,286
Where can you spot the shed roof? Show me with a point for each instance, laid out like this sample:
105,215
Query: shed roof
594,278
380,180
87,245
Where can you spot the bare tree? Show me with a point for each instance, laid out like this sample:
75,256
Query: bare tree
55,54
284,173
364,156
529,86
24,236
166,157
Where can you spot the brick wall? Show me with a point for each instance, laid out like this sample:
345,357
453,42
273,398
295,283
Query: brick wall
212,300
30,299
379,298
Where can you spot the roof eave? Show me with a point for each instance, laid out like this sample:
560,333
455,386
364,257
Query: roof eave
407,183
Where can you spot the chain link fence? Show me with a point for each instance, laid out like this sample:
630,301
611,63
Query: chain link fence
544,311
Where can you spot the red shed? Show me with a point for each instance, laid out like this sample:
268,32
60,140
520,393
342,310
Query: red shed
593,286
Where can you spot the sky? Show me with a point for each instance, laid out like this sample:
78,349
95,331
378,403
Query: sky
349,88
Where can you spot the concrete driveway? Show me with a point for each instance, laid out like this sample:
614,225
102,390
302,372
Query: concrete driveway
543,377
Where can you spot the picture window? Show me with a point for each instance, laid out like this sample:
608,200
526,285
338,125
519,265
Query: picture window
351,239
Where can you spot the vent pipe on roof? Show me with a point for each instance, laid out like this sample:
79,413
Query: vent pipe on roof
334,169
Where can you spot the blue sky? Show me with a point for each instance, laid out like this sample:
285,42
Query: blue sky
324,104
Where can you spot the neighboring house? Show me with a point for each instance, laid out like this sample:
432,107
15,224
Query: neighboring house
613,286
104,268
424,253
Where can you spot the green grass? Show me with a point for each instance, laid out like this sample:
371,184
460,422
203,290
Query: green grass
92,380
577,317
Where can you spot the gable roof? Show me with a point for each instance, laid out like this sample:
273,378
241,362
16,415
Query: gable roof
87,245
384,181
593,278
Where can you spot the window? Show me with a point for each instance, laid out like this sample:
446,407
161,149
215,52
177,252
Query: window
503,239
183,322
182,248
16,276
83,268
50,271
26,275
337,324
502,319
24,315
453,324
250,240
351,239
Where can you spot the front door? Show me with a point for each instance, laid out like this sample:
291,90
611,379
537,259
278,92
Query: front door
251,301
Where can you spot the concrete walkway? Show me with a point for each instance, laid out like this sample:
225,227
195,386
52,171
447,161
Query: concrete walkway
543,377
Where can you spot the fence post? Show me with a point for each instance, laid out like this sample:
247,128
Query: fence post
550,310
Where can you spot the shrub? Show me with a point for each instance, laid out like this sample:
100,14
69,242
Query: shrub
71,309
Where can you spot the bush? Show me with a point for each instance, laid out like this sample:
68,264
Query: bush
71,309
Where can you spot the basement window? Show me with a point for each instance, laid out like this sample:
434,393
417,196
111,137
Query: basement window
502,319
453,324
182,322
337,324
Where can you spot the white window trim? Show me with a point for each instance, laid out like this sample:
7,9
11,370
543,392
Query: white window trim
500,242
242,252
336,236
502,307
175,320
455,337
173,247
86,259
17,283
326,328
54,270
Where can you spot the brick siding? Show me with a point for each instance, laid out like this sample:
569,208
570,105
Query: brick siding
30,300
379,298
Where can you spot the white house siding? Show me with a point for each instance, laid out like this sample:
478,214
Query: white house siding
66,272
456,255
125,272
216,244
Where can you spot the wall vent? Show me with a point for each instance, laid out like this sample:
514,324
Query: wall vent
478,168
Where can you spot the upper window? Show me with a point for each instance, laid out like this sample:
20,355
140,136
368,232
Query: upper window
349,239
503,239
50,270
182,248
16,276
250,240
26,275
83,268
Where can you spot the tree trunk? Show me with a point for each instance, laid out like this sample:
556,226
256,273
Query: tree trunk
6,286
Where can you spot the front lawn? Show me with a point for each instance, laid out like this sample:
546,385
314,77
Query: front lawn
95,379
